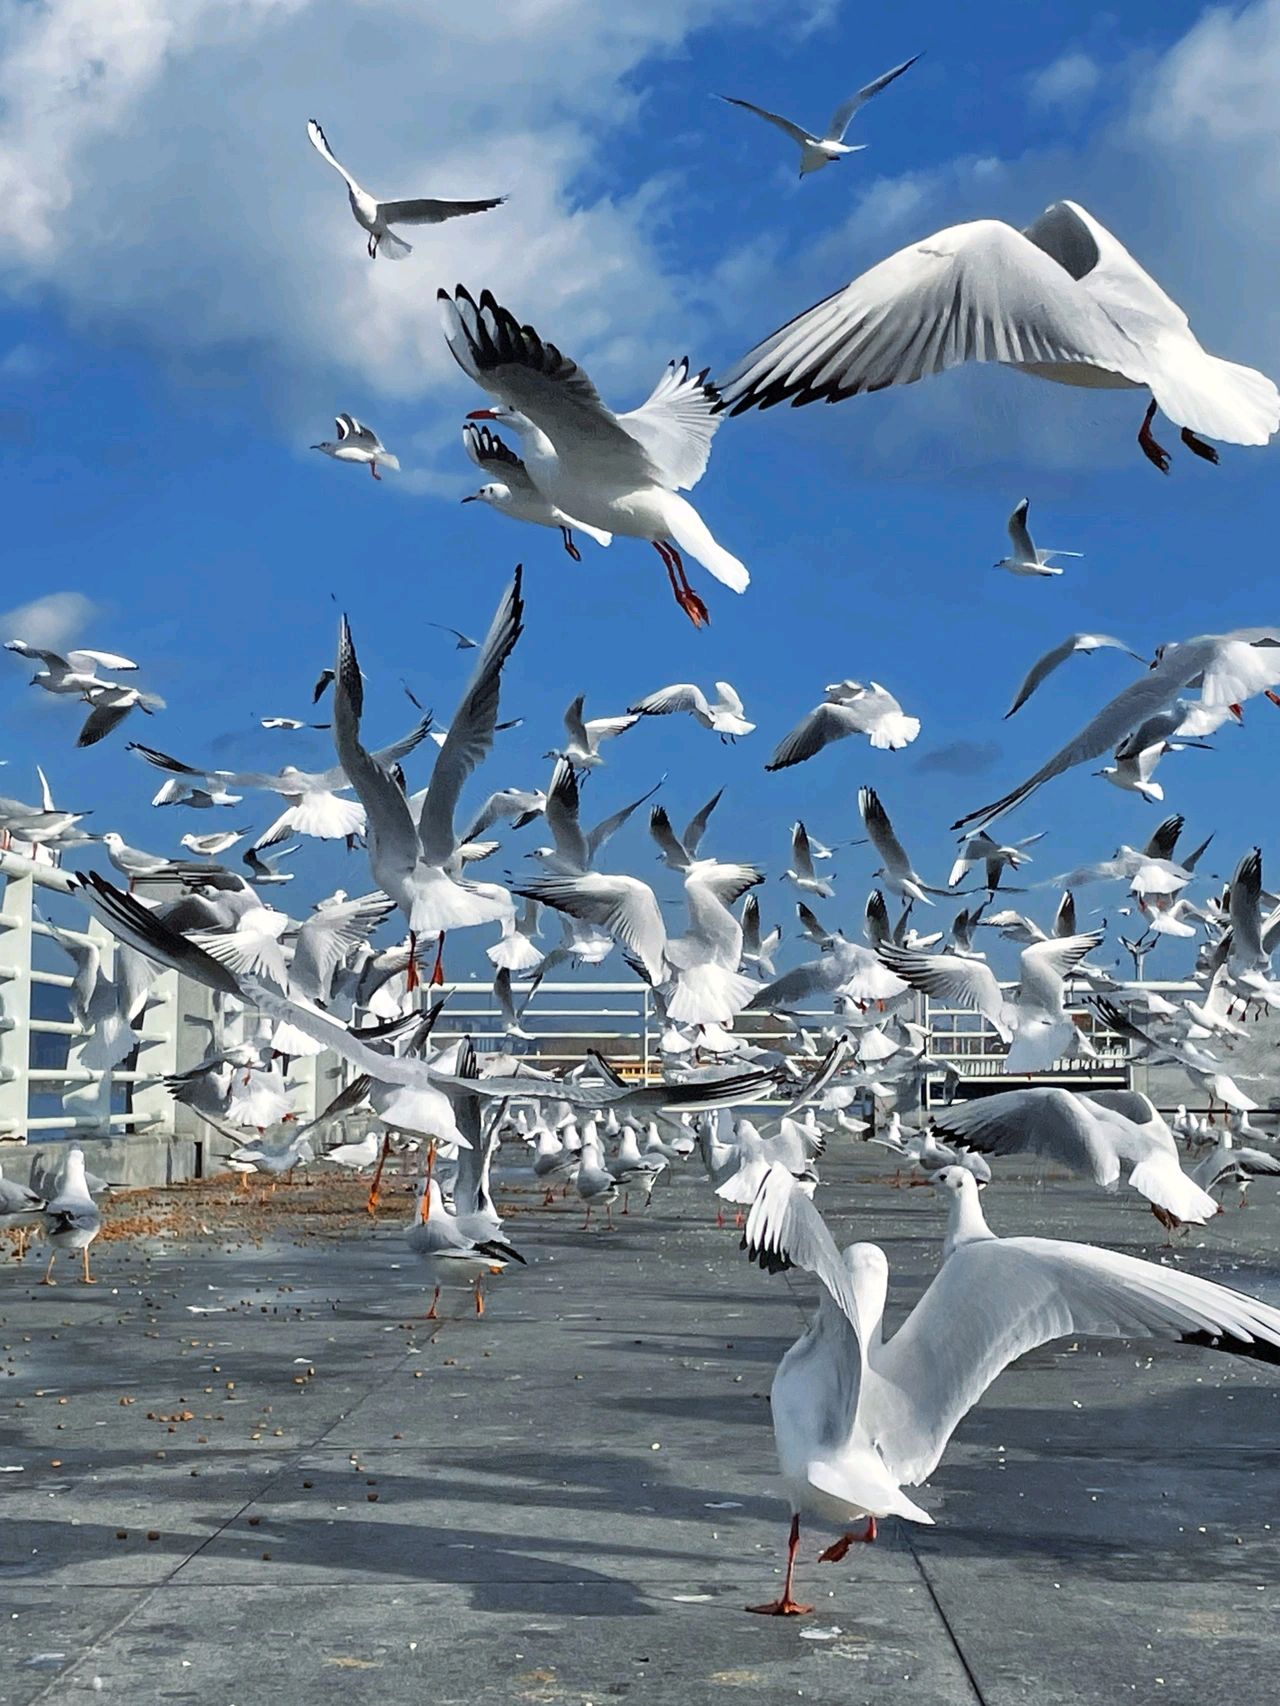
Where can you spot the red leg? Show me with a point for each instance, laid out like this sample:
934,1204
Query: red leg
1198,446
1153,452
836,1551
569,545
373,469
1274,697
411,975
786,1606
437,970
685,596
720,1218
431,1313
376,1183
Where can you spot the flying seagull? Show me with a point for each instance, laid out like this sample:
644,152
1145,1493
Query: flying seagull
819,151
377,217
358,443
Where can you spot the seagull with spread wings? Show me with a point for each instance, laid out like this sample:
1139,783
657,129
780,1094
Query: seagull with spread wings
621,473
377,217
819,151
358,443
850,708
858,1417
1063,300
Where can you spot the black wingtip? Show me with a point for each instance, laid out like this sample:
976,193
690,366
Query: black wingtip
771,1261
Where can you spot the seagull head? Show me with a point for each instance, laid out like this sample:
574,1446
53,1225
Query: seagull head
495,494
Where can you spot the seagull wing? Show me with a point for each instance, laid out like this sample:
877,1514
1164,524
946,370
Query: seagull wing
963,983
976,292
82,660
470,737
794,131
822,725
844,112
801,852
676,424
1117,718
493,456
562,817
784,1230
1045,966
609,826
1048,1122
892,854
390,822
681,696
696,827
676,853
429,212
1045,666
104,717
1023,547
623,906
995,1299
320,143
329,937
512,362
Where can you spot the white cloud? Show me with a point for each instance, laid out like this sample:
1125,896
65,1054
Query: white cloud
155,173
1069,81
52,622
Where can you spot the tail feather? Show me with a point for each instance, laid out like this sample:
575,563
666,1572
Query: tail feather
692,535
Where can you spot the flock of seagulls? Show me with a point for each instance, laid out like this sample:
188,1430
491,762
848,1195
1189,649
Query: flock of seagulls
858,1418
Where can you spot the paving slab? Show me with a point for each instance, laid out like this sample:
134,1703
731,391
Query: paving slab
574,1497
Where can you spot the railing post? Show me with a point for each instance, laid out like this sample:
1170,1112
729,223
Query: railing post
15,1008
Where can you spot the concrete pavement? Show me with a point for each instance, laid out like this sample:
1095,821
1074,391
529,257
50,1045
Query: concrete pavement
245,1471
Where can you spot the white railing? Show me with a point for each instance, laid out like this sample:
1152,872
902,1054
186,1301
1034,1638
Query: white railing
563,1019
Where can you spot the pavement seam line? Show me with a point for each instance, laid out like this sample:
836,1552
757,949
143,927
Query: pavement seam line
959,1651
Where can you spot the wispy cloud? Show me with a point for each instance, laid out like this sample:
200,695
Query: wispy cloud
51,622
958,758
1069,81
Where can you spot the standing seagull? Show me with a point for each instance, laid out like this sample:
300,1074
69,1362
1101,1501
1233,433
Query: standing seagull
819,151
359,443
1063,300
376,217
71,1218
1028,558
857,1417
620,473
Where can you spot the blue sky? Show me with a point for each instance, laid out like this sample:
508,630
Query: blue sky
185,303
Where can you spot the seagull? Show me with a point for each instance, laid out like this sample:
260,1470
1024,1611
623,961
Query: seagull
620,473
290,723
210,846
71,1218
71,671
1100,1135
463,642
358,443
980,848
1229,668
802,873
1035,1023
511,492
376,217
111,705
448,1252
1045,666
313,802
417,859
1133,773
896,870
723,717
758,950
355,1157
1062,300
1029,558
819,151
848,709
20,1210
856,1417
582,743
132,862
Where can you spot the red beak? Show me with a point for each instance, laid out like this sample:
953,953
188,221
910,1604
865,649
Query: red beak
482,415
